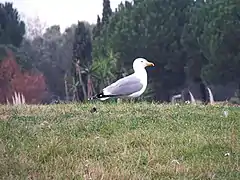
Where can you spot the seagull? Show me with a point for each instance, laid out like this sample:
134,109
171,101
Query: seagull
131,86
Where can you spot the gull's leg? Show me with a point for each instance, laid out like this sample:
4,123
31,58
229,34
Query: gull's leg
119,100
131,100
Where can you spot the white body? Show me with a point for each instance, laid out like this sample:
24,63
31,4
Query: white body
131,86
143,81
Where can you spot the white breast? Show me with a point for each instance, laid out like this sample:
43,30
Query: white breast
143,77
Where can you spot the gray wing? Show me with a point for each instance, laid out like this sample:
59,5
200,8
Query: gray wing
125,86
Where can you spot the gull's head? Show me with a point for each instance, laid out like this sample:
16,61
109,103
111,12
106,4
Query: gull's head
141,63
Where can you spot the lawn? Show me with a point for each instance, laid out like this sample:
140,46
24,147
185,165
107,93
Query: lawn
120,141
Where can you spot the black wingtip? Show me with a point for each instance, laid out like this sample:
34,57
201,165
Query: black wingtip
97,96
101,95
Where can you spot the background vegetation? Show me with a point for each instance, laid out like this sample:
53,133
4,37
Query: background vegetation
186,39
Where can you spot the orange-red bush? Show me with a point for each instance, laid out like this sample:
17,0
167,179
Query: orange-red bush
32,86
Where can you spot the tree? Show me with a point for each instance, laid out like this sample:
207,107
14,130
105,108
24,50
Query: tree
150,29
12,29
107,11
222,41
51,54
191,37
97,28
104,69
82,56
34,28
211,39
13,79
21,56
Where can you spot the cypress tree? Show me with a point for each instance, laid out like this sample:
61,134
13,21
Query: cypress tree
97,28
107,11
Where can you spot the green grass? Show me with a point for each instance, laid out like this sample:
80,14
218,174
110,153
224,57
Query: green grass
119,141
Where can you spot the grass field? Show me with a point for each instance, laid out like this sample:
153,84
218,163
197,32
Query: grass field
120,141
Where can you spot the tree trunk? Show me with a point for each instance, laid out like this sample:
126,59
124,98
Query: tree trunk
66,87
238,91
93,87
82,84
74,89
101,85
89,86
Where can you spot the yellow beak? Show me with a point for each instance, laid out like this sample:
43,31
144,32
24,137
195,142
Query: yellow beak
150,64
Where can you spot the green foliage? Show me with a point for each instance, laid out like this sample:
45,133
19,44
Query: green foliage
51,54
82,45
12,28
107,12
97,28
22,58
82,58
104,69
191,35
211,38
185,39
223,42
141,30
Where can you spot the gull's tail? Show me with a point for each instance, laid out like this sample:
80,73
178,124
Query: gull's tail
102,96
